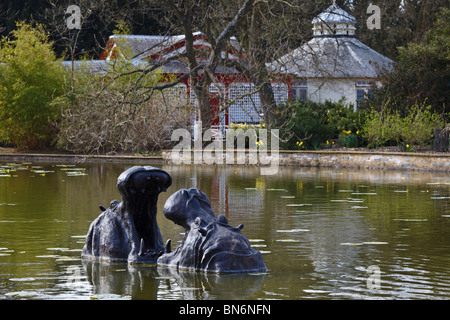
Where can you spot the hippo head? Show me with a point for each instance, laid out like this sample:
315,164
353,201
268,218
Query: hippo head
209,243
127,230
188,205
140,187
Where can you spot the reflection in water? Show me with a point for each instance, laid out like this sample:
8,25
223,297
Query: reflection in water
121,279
151,282
196,285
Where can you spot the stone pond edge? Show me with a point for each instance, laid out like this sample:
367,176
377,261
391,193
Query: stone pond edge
338,159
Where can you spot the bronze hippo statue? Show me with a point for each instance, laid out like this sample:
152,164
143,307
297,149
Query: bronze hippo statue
127,230
209,244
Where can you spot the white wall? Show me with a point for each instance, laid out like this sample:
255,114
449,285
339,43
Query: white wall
320,90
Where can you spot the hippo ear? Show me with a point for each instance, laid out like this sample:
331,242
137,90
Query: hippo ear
198,224
222,219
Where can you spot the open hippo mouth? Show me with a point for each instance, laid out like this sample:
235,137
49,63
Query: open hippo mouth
140,187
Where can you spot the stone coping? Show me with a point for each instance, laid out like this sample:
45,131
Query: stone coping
321,158
439,162
374,152
349,151
78,158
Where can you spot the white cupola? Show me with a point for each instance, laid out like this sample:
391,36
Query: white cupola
334,22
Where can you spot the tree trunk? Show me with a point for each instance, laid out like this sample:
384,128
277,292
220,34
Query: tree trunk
204,108
268,104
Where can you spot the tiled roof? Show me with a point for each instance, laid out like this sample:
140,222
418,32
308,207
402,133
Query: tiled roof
333,57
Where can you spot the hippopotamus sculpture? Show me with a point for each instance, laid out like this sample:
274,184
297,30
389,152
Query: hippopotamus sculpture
209,244
127,230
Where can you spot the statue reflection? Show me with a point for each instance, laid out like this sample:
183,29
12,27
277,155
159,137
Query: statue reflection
158,283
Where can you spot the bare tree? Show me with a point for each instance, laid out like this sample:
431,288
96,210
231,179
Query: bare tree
268,31
197,14
2,18
107,113
264,36
263,30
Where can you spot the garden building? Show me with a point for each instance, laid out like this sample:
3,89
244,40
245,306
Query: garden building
165,50
333,65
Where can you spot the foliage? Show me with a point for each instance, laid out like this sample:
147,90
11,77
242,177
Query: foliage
312,124
402,21
350,139
30,80
109,113
99,19
421,72
308,125
389,127
418,127
381,128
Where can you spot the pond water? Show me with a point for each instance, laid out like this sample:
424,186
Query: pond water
324,234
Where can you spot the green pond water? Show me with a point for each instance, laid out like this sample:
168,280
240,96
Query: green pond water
323,233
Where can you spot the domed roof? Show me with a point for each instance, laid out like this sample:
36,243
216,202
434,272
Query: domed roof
334,22
334,14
